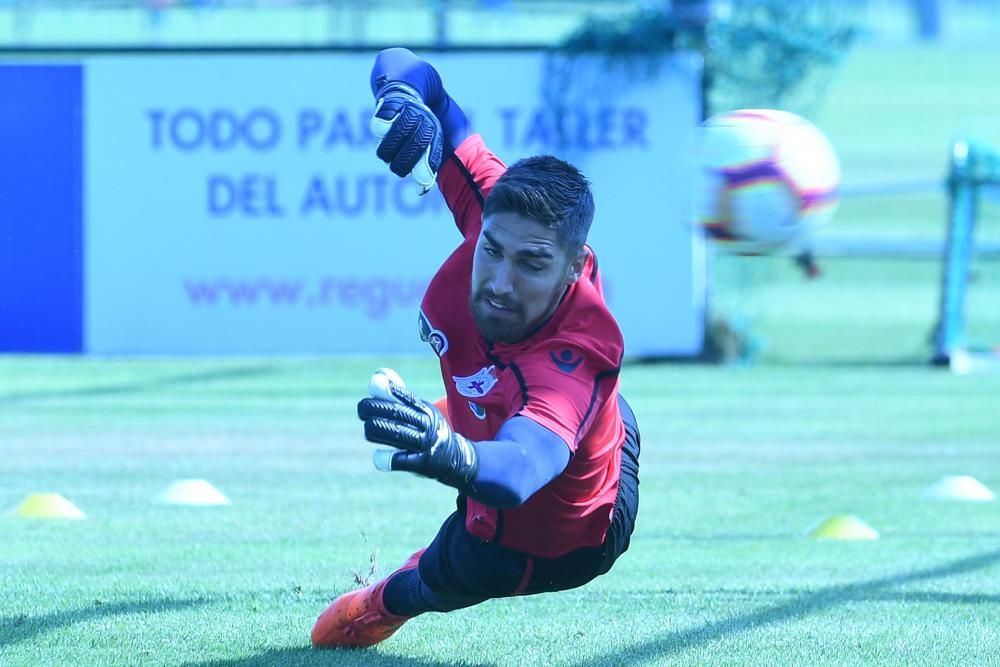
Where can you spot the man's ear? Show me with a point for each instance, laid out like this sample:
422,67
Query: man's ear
576,266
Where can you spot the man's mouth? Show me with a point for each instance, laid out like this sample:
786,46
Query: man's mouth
499,305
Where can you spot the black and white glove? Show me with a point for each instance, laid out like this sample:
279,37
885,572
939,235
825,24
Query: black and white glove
423,440
412,142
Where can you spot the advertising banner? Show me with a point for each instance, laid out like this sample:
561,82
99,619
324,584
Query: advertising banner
234,204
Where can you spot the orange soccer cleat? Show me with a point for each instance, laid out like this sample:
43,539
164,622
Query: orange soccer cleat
359,619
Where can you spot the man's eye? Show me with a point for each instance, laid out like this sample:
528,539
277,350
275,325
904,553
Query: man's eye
533,267
492,252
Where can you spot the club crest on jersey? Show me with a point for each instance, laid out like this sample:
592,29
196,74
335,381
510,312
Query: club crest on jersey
478,410
566,362
433,337
476,386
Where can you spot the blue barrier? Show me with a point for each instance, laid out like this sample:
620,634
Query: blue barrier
41,233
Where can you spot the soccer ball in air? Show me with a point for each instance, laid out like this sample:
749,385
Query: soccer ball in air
769,178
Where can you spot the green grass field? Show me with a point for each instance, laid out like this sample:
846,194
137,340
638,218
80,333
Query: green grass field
737,464
839,415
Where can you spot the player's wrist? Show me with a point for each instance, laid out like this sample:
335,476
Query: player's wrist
439,106
399,88
462,465
453,456
402,66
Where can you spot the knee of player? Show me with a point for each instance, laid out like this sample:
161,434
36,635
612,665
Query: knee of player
458,576
429,575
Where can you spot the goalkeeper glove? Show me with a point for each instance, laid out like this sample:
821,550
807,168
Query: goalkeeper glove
411,137
425,442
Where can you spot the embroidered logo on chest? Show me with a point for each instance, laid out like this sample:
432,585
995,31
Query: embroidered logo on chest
566,362
433,337
478,385
477,410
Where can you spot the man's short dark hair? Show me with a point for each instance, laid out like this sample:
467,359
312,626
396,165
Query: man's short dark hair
549,191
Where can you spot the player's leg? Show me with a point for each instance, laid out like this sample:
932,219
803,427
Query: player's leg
359,618
457,570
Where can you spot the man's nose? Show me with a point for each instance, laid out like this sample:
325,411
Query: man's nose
501,283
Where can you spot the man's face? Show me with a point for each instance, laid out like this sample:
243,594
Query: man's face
519,274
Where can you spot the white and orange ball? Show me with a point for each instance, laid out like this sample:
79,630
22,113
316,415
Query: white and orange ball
769,179
378,385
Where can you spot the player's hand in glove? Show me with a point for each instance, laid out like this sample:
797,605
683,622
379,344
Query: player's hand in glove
423,440
412,141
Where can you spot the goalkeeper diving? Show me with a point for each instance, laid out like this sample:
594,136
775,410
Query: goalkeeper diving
532,433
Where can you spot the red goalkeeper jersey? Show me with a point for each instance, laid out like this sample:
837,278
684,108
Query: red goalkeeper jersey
564,377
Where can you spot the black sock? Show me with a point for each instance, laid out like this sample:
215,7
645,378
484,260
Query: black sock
398,595
406,595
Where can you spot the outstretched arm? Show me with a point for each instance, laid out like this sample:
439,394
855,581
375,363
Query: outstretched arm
525,457
422,131
418,124
501,473
402,66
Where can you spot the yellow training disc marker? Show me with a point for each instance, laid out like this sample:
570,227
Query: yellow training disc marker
47,506
843,527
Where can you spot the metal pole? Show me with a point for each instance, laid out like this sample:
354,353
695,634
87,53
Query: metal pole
963,190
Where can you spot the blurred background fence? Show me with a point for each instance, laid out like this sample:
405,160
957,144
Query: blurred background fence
297,23
894,83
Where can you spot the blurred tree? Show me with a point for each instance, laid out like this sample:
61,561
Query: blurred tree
757,53
770,53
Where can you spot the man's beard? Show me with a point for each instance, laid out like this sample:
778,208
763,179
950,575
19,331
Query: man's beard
494,328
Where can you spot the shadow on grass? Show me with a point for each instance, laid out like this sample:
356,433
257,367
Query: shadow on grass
14,629
139,385
806,604
918,362
941,598
909,361
310,656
